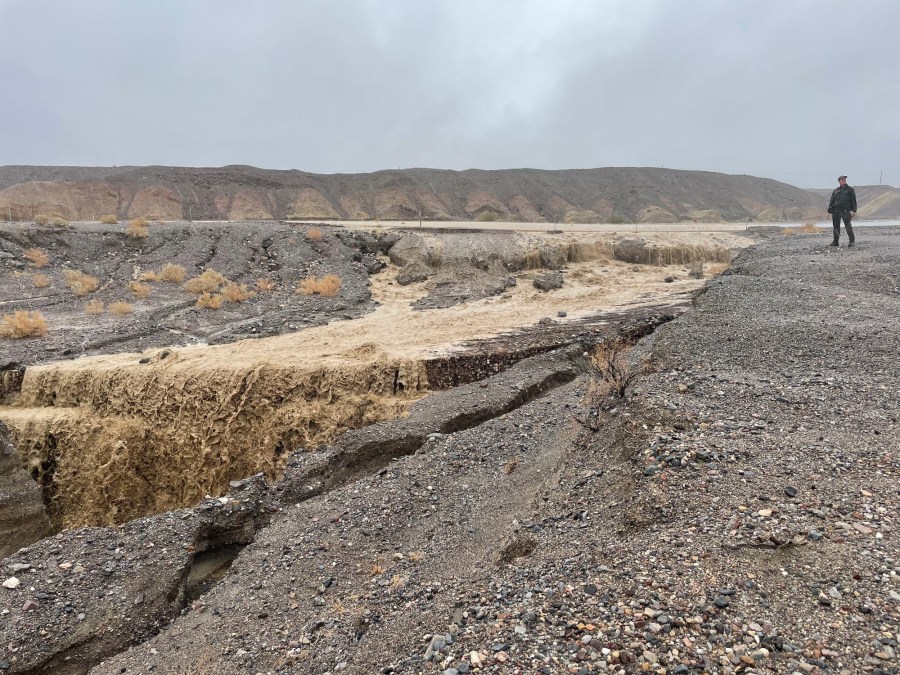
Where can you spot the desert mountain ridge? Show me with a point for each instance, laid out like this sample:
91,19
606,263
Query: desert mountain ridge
612,194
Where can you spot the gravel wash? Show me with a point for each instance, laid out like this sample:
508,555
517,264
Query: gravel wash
735,512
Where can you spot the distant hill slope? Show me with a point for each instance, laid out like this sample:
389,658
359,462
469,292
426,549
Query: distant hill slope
531,195
875,202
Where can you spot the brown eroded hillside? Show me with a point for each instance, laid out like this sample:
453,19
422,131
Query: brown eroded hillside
876,202
529,195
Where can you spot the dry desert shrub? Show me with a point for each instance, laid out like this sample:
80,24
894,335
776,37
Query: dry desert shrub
149,275
208,282
329,285
487,217
40,280
109,219
265,285
81,283
139,290
376,569
22,324
233,292
210,300
171,273
36,256
609,365
417,556
41,219
94,307
138,229
58,221
315,234
120,308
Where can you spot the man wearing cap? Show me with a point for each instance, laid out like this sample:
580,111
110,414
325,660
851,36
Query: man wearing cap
842,206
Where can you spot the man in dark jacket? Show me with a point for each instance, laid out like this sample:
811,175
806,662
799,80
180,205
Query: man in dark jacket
842,206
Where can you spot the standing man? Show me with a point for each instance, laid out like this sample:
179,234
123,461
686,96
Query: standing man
842,206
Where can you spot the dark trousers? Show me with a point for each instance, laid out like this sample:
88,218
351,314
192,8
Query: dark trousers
836,224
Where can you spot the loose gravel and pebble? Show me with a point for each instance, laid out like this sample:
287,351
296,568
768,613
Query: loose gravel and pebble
735,512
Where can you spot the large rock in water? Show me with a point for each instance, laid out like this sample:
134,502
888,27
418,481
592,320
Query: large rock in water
554,257
23,519
632,251
548,282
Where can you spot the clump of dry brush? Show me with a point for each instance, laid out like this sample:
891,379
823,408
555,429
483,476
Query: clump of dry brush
36,257
612,373
22,324
80,283
610,368
328,286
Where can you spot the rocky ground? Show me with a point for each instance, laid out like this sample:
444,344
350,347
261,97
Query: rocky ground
119,435
271,260
734,511
245,253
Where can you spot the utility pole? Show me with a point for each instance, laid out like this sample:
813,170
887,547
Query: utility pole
880,174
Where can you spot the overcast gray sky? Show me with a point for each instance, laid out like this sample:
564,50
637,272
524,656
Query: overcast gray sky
797,90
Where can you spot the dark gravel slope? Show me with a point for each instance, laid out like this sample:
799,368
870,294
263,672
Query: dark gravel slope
736,513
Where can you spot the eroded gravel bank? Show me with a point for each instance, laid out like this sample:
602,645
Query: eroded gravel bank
736,512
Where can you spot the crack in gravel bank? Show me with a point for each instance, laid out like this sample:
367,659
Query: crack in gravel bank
97,591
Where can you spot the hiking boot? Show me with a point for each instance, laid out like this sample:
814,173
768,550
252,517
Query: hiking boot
851,244
834,243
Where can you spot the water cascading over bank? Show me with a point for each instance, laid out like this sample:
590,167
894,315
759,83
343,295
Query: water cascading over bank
114,438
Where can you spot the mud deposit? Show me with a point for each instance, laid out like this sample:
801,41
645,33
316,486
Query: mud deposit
119,434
